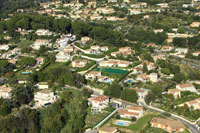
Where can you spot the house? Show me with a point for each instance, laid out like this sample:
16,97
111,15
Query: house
63,56
40,42
158,30
194,103
4,47
43,85
139,5
104,48
197,53
181,50
140,92
195,24
91,51
112,1
43,32
167,124
151,45
44,97
125,51
5,91
92,75
150,65
175,92
163,5
107,129
63,41
114,63
142,77
186,87
131,111
85,39
135,11
79,63
92,4
99,103
166,48
146,17
158,56
95,47
153,77
40,61
105,10
115,54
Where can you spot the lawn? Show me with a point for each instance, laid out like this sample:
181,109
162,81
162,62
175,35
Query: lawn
93,119
140,123
55,65
154,130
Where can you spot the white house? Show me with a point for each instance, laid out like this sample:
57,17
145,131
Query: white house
92,75
175,92
43,32
99,103
131,111
5,91
43,85
40,42
140,92
153,77
186,87
4,47
181,50
44,97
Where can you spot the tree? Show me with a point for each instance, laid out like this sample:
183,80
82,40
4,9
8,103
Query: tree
178,77
27,61
150,97
129,95
117,116
114,90
144,69
5,107
133,119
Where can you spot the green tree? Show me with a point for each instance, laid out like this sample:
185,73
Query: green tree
114,90
129,95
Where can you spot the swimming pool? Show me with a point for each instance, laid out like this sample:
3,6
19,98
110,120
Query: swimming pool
123,123
108,81
25,72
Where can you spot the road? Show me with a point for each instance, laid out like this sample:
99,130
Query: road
107,118
192,127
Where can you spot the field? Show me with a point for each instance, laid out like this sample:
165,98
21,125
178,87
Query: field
111,70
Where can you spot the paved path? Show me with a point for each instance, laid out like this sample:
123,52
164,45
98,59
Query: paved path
108,117
83,72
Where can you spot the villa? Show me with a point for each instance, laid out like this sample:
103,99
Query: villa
92,75
4,47
85,39
142,77
166,48
140,92
43,85
40,42
43,32
131,111
167,124
197,53
5,91
195,24
175,92
79,63
186,87
114,63
99,103
44,97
